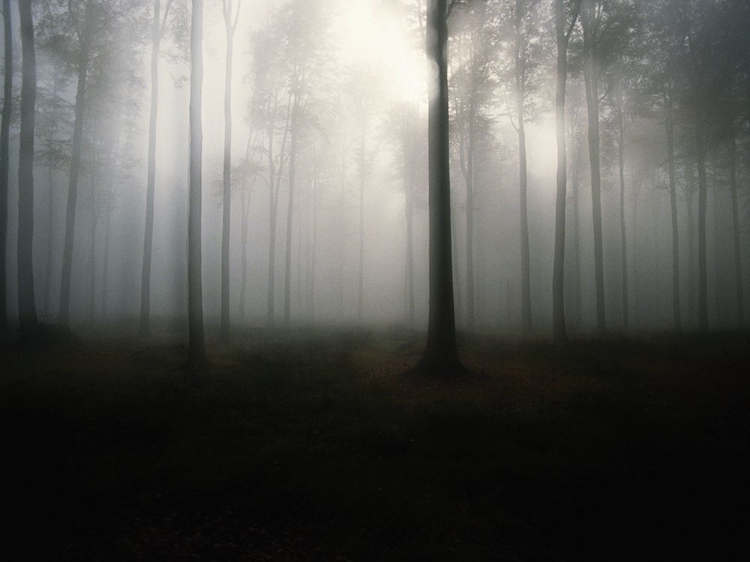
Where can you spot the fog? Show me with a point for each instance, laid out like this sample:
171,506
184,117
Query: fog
338,89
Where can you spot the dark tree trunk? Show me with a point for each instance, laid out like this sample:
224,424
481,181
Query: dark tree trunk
26,301
736,233
689,197
559,331
520,83
441,353
245,203
272,228
145,323
92,244
623,233
225,333
197,360
700,151
5,162
75,167
669,124
409,212
591,77
470,285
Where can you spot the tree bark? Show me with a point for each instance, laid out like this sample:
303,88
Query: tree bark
592,104
26,299
441,353
197,360
5,163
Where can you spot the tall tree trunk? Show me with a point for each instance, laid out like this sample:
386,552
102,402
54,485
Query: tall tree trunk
75,167
520,84
196,344
441,353
245,204
736,233
105,264
700,151
47,307
577,265
92,246
314,252
559,331
225,333
591,77
623,233
361,277
669,124
145,322
470,284
5,163
409,211
272,228
689,197
26,300
290,215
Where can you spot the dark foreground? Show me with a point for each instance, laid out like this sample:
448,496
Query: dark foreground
316,448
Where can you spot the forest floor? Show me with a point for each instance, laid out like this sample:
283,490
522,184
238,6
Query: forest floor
317,447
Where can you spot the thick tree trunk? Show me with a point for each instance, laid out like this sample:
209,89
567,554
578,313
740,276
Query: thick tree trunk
669,124
441,353
623,233
145,322
592,104
197,360
700,151
736,233
26,299
5,163
225,333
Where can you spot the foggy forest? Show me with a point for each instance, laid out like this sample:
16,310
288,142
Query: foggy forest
375,279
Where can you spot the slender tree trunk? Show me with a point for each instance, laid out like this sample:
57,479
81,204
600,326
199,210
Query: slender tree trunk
272,229
361,278
623,233
5,163
520,79
559,331
290,215
736,233
26,299
92,247
702,196
577,266
75,167
409,191
441,353
145,323
669,124
314,252
245,203
197,360
689,196
225,333
105,264
47,307
470,284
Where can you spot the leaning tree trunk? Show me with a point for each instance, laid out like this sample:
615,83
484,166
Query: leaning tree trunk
196,344
75,168
5,162
145,322
26,302
592,104
669,124
441,353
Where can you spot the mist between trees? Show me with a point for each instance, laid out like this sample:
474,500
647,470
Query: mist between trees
313,172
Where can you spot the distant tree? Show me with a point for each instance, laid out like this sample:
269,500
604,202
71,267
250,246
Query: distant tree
157,32
231,18
26,300
441,352
5,161
197,360
563,31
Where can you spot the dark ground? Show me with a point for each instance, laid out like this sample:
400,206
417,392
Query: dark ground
300,447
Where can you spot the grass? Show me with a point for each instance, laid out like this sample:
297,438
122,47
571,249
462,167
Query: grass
303,447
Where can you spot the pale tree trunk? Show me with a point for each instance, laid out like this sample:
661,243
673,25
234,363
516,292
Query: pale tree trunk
559,330
591,77
441,353
669,124
26,299
290,214
5,163
197,360
736,233
623,233
50,242
225,332
75,168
